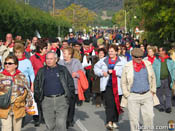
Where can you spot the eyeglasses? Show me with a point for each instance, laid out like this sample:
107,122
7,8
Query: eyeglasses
137,56
6,63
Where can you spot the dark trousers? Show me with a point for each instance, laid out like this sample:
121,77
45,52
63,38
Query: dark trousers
38,118
71,110
87,93
110,106
98,99
164,90
77,101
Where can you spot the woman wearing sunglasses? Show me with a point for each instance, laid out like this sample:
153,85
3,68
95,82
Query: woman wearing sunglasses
11,117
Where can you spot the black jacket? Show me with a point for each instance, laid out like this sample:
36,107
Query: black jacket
66,82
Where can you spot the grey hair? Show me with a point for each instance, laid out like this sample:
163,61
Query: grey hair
56,56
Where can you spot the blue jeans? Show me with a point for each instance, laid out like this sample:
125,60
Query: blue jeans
55,111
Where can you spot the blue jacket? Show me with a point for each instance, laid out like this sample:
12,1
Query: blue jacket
171,68
25,66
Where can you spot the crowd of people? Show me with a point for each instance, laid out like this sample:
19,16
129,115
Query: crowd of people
107,67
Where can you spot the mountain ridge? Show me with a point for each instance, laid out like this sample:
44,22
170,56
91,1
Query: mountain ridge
94,5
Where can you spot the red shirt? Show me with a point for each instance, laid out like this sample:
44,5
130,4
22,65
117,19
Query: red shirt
37,62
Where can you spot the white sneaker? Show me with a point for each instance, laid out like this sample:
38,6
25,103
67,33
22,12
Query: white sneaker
109,126
114,125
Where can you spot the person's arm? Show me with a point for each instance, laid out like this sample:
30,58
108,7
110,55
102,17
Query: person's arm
97,69
36,87
77,66
70,83
31,87
153,81
31,74
124,83
29,93
2,49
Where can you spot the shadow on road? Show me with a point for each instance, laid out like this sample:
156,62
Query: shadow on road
71,129
81,115
30,129
124,125
101,115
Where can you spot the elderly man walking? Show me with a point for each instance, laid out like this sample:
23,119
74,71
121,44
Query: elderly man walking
53,88
139,90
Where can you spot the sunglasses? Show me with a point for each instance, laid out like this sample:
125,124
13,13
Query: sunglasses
137,56
5,63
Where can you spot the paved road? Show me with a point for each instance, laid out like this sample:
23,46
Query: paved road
90,118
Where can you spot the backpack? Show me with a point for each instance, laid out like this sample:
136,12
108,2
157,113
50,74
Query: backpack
5,99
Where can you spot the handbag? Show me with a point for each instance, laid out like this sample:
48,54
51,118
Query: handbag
5,99
33,110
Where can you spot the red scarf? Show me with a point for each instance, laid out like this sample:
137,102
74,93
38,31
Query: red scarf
23,57
110,61
115,92
163,58
89,50
129,48
96,52
54,49
42,57
11,45
151,59
5,72
138,66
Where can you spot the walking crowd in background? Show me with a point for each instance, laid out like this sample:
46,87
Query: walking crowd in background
106,67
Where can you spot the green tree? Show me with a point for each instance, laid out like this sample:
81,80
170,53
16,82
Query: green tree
133,14
20,19
156,17
119,18
159,19
78,16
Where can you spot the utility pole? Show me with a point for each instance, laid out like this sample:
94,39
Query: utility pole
53,7
26,2
73,17
125,22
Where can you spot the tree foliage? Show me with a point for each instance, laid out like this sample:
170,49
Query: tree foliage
78,16
24,20
159,17
156,17
119,18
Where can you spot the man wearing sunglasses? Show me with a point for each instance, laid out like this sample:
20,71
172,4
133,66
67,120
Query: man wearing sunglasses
71,38
139,87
